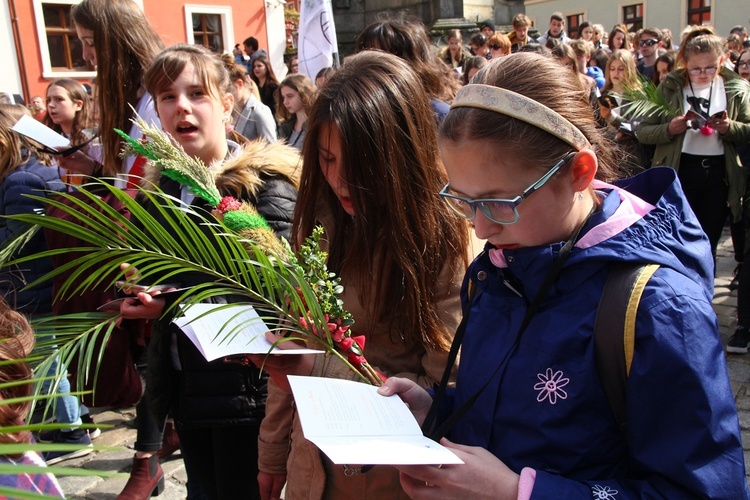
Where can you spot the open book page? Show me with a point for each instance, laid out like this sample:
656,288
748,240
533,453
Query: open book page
220,330
41,133
353,424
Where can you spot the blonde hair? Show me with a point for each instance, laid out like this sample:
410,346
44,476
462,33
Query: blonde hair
631,72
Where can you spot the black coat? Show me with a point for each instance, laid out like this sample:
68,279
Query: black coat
202,393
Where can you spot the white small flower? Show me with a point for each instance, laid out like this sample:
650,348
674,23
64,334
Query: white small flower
603,492
550,386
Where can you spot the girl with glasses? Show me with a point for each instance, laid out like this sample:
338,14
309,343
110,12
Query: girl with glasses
528,415
701,142
371,176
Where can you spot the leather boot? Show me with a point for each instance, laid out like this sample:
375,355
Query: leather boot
146,479
170,441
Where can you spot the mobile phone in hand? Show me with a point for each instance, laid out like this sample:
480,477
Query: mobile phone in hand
134,288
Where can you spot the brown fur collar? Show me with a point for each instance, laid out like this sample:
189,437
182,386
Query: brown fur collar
241,174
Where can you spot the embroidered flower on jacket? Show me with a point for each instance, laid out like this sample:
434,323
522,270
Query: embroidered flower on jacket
550,386
603,492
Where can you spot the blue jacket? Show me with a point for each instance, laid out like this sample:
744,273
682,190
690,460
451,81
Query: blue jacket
546,408
31,178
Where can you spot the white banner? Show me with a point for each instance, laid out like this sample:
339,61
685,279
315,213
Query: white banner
317,44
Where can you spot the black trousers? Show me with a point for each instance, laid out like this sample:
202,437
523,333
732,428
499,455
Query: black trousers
703,179
221,462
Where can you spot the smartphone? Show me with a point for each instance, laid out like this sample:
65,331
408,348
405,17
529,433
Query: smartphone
133,288
608,101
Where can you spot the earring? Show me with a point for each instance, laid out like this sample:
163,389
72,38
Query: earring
580,196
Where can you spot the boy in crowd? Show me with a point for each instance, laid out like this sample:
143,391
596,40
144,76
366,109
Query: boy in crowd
556,29
520,34
649,44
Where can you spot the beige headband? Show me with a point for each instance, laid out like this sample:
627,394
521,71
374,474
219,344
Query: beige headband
509,103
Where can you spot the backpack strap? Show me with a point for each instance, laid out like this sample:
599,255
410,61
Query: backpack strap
614,331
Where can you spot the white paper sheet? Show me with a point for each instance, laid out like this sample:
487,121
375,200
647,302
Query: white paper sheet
353,424
220,330
41,133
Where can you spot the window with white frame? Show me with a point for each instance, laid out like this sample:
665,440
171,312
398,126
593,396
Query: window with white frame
59,46
210,26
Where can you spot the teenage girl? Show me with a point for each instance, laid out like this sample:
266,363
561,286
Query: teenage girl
540,425
296,95
69,113
251,118
701,142
217,406
621,74
265,78
117,34
369,176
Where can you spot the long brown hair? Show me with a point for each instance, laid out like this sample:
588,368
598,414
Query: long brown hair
82,120
303,86
16,342
125,45
270,74
539,78
403,235
408,39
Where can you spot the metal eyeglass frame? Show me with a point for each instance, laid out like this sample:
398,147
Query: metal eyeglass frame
483,203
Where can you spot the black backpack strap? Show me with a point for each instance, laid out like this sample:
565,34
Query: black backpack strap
614,331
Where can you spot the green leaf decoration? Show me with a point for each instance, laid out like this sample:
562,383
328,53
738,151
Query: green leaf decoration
186,241
645,100
160,148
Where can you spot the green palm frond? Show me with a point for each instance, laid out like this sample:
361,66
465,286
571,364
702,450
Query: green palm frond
645,100
187,241
737,88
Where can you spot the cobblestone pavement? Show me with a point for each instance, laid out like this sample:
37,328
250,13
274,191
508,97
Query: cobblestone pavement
122,434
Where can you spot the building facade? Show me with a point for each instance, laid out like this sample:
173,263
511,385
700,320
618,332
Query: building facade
38,44
636,14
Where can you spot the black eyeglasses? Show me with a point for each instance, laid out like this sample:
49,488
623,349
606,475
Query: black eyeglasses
495,47
499,210
648,43
711,70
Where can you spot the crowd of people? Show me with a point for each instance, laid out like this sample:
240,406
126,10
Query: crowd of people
423,165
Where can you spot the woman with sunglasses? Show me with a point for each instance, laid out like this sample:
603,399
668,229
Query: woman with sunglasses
540,425
499,45
701,142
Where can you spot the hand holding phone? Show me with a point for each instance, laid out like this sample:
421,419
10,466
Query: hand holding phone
135,289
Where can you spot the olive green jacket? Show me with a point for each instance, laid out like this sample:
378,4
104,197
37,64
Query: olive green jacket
653,130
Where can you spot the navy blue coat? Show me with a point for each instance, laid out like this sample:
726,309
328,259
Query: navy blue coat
546,409
31,178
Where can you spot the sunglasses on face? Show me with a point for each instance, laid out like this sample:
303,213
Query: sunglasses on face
648,43
495,47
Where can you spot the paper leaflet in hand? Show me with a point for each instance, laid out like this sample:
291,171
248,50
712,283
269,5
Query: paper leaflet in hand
220,330
41,133
353,424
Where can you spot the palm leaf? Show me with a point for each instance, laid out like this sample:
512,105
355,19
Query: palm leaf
644,100
186,242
